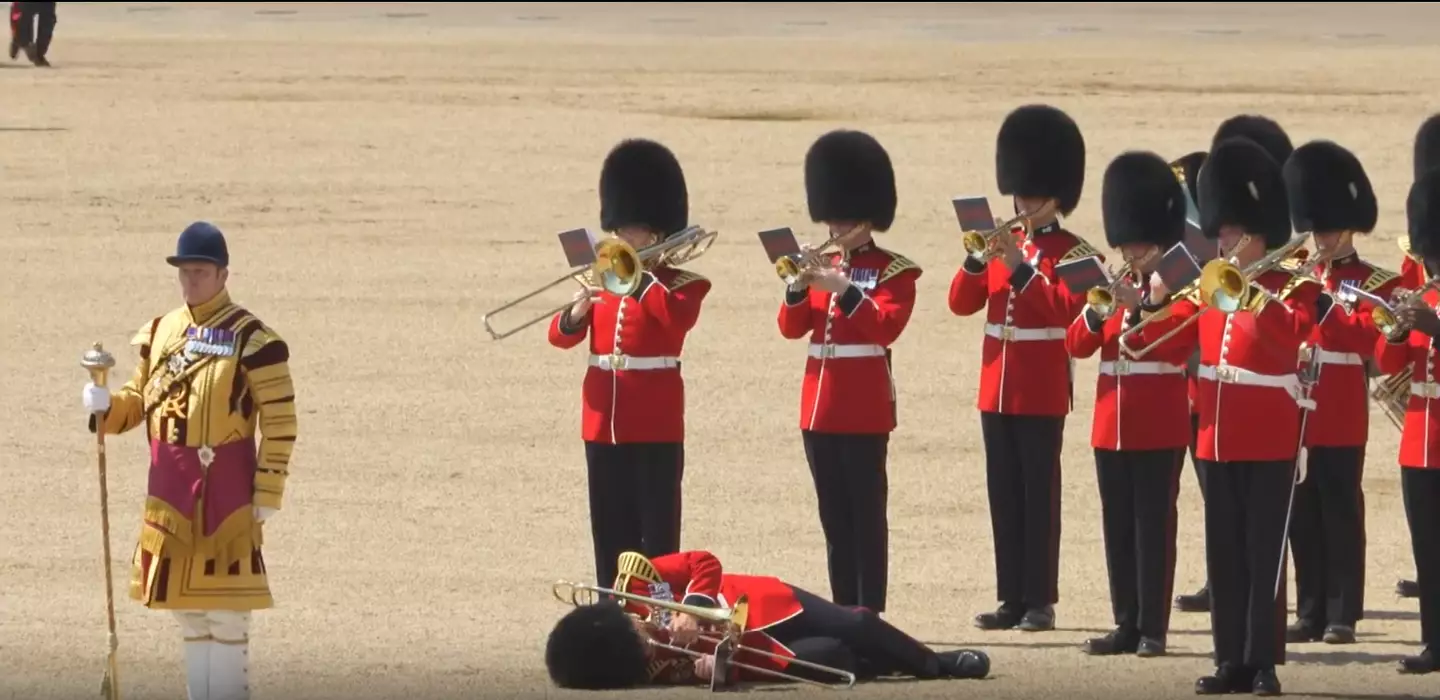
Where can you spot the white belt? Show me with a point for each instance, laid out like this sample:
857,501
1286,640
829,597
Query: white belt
610,363
832,350
1235,375
1330,357
1126,367
1425,390
1011,333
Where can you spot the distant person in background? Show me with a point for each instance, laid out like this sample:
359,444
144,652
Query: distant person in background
25,35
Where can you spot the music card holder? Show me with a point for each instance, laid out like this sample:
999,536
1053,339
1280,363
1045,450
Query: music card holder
1083,274
1202,249
1178,267
579,246
973,213
779,243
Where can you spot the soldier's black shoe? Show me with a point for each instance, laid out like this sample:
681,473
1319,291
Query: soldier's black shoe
1196,602
1007,617
41,62
1038,619
1150,647
1407,589
1117,642
1301,632
964,663
1339,634
1266,682
14,49
1424,663
1227,679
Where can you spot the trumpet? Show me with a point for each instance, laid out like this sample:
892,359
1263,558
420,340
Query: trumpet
1387,320
617,269
1102,299
979,243
789,267
1221,285
731,619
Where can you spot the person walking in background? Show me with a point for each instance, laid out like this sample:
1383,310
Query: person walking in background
25,34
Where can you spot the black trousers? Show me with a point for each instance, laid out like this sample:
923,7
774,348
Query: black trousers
1138,490
1421,489
852,639
635,501
1245,512
1022,475
852,490
1327,538
25,30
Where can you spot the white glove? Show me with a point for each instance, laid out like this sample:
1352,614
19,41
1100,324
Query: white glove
262,513
96,398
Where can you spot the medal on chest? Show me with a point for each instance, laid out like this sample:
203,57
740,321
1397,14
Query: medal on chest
865,278
209,341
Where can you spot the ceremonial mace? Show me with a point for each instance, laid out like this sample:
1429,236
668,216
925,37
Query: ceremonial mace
98,363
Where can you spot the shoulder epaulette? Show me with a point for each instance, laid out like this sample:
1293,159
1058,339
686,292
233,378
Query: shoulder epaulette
1379,277
898,264
1081,249
258,337
1404,243
684,277
1291,264
1294,283
146,334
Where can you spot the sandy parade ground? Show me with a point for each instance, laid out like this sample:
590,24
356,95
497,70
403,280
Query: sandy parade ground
388,172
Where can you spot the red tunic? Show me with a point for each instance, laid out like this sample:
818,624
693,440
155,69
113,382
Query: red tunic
1420,440
633,390
697,578
848,385
1139,404
1025,368
1249,386
1345,340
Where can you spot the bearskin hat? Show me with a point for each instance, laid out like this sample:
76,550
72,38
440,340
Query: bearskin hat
642,184
1141,201
1241,185
596,647
1422,210
1262,130
848,177
1328,190
1189,166
1427,146
1041,153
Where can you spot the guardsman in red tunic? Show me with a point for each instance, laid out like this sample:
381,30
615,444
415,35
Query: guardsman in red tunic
633,419
1266,132
852,310
601,647
1140,429
1331,197
1413,273
1413,344
1251,399
1025,381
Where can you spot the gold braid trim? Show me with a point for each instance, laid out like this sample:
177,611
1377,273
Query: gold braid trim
1081,249
1378,278
682,278
898,264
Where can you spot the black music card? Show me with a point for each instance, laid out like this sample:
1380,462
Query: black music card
779,242
1201,248
1083,274
579,246
1178,267
973,213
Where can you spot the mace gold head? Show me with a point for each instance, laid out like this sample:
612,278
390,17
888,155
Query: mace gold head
98,363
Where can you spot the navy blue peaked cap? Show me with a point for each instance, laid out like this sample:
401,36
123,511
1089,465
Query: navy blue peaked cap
201,242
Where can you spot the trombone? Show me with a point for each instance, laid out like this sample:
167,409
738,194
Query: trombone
617,269
731,619
1221,285
978,243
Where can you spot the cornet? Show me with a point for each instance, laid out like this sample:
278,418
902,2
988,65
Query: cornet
1387,320
1102,299
789,267
979,244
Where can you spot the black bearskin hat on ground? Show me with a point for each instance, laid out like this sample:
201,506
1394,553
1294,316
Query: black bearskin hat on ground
1141,201
1262,130
596,647
1328,190
1041,153
848,177
1427,146
1422,209
642,184
1190,166
1241,185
